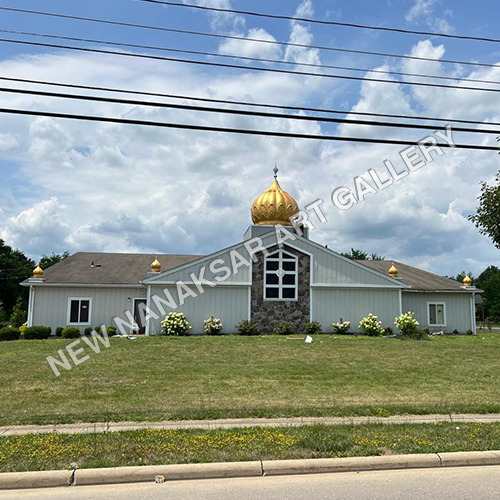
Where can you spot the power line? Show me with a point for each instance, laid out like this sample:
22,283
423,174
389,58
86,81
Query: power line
184,126
240,111
242,38
246,58
242,103
249,68
319,21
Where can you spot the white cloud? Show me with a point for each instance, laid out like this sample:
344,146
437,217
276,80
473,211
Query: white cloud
250,48
220,20
424,12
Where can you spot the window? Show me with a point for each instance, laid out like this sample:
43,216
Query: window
437,314
79,311
280,276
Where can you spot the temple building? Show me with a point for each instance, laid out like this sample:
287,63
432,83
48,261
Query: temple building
276,273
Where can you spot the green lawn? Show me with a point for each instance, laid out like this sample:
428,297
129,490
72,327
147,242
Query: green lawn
161,378
150,447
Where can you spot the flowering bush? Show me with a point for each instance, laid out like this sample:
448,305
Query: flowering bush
213,326
406,323
371,325
341,327
312,327
176,324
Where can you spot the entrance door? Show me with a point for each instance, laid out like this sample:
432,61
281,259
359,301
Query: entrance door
140,314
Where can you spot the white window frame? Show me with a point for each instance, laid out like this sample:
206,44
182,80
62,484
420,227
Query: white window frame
70,299
429,304
277,256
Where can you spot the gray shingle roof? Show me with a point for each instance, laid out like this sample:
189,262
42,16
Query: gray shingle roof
109,268
416,278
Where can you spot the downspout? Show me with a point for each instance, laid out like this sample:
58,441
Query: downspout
31,305
148,305
473,313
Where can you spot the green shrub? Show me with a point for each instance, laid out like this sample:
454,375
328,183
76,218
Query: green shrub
312,327
87,331
111,330
19,313
388,331
37,332
71,332
416,334
176,324
246,327
97,329
283,328
212,326
341,327
59,331
371,325
469,332
9,333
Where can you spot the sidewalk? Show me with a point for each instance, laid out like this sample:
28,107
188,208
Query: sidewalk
82,428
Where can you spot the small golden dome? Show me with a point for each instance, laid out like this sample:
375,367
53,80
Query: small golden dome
156,266
393,271
467,281
274,206
38,272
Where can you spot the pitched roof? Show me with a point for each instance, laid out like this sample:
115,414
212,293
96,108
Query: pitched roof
416,278
91,268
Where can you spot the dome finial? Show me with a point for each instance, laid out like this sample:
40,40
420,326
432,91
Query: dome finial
467,281
275,170
156,266
393,271
38,272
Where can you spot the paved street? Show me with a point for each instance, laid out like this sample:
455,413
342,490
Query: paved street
461,483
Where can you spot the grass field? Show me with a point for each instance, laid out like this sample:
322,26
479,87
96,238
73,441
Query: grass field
150,447
161,378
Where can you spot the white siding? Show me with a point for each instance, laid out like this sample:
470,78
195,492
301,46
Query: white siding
329,304
458,309
229,303
51,304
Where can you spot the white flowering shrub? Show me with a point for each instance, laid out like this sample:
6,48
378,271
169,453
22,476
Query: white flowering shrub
371,325
341,327
176,324
213,326
406,323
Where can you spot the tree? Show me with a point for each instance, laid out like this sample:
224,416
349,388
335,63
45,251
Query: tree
492,297
14,268
3,316
49,260
487,218
356,254
18,317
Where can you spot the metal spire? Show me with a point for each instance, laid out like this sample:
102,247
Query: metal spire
275,170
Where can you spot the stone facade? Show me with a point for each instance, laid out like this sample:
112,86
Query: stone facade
268,313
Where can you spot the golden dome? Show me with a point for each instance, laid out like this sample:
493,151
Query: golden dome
274,206
38,272
393,271
156,266
467,281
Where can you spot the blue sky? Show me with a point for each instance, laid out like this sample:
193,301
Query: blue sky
78,186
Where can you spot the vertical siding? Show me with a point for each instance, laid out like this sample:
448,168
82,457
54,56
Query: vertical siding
458,309
229,303
330,304
51,304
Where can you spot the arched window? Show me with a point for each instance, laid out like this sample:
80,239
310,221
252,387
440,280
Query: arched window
280,276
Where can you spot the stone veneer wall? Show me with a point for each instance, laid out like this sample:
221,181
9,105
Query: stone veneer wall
267,313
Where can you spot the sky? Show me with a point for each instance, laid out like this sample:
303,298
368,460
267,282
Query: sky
80,186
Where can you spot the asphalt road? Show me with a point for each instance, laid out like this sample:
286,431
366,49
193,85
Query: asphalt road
460,483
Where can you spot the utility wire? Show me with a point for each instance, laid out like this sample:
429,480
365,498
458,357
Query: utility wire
184,126
249,68
242,38
319,21
246,58
240,111
242,103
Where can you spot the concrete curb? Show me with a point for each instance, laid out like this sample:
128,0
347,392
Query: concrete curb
232,423
44,479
